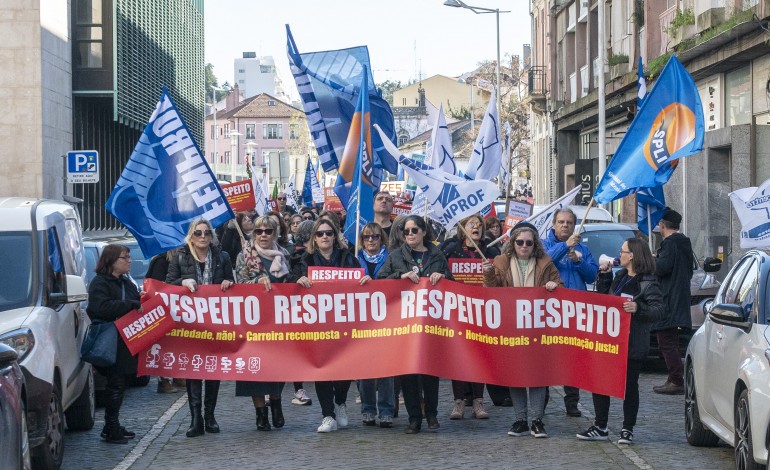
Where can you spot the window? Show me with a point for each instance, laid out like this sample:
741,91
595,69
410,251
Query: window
227,129
271,102
293,131
403,101
227,158
213,132
738,96
272,131
88,51
729,291
251,132
402,139
241,81
747,294
265,68
241,70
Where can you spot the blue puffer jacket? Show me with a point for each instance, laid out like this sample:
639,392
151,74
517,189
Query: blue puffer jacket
573,275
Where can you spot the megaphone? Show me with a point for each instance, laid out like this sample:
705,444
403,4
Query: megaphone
604,259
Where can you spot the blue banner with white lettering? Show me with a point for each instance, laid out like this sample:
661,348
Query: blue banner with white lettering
328,83
166,184
649,202
668,126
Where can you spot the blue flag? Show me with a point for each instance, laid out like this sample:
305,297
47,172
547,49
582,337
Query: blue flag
307,186
668,126
166,184
354,187
651,199
328,84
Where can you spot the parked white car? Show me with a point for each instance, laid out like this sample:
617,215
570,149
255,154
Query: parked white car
727,366
42,286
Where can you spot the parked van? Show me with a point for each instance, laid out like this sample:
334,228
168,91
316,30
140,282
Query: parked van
42,288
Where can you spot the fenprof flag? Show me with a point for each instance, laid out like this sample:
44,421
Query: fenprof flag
753,208
669,126
166,184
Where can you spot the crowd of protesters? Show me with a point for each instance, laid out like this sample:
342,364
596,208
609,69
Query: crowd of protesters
279,246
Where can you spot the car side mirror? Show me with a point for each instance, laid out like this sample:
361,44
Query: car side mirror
729,314
7,356
707,306
76,291
712,265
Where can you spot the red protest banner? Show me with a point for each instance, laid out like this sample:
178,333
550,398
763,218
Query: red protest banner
328,274
332,201
140,330
467,270
240,195
337,331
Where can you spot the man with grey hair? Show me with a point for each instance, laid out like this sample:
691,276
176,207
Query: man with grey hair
576,268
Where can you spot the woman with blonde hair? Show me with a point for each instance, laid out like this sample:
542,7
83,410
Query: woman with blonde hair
524,263
201,262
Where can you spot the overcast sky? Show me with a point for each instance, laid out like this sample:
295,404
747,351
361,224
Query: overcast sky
405,37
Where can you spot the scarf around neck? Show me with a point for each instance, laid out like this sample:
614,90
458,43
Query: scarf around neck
279,265
529,278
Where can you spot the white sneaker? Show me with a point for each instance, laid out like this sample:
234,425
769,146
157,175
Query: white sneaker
328,425
342,414
301,398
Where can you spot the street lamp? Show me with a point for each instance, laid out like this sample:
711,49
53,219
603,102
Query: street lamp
481,11
214,91
233,153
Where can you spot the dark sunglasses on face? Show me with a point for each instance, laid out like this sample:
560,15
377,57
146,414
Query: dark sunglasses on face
198,233
373,236
524,242
281,198
321,233
411,231
260,231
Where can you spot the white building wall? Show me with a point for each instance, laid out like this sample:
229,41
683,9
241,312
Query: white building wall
259,75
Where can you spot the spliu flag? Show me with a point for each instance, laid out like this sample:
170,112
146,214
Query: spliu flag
328,83
753,208
451,198
668,126
166,184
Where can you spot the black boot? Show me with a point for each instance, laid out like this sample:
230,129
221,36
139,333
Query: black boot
112,432
210,402
194,390
263,424
277,412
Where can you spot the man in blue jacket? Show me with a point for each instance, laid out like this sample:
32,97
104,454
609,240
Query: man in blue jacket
576,268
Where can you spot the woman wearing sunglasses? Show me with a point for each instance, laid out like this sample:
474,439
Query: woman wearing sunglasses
375,393
198,263
325,250
263,262
461,246
417,258
636,281
524,263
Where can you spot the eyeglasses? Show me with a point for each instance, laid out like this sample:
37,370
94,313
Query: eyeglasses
386,199
524,242
373,236
266,231
411,231
473,225
205,233
324,233
626,252
281,198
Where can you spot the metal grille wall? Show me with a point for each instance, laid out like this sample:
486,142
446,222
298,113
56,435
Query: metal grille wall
95,129
159,42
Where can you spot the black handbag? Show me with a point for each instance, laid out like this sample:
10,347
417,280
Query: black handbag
100,346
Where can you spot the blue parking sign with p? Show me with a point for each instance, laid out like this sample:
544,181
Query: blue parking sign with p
83,166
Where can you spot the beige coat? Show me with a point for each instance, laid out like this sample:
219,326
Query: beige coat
501,276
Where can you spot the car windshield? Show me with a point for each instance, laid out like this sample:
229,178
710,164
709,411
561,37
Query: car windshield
16,275
606,242
139,263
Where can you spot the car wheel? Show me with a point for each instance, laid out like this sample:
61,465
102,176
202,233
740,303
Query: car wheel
26,458
82,414
50,453
744,447
697,433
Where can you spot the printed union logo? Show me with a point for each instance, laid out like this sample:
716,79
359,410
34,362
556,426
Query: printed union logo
672,129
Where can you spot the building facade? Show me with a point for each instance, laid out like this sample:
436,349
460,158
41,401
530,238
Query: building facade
255,75
724,45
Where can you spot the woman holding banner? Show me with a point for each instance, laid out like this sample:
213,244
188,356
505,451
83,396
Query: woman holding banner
263,262
417,257
325,250
467,244
199,263
375,393
524,263
637,283
112,294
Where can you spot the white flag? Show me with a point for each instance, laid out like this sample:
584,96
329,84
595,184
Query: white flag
753,208
543,220
439,152
291,194
488,151
260,195
451,198
504,176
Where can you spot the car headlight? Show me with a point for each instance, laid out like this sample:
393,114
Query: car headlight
21,340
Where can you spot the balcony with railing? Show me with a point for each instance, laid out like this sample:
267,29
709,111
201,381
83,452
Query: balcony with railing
537,83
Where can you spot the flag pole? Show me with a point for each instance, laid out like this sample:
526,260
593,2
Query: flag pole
468,237
582,222
649,228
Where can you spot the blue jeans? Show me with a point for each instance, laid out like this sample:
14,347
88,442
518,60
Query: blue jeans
377,394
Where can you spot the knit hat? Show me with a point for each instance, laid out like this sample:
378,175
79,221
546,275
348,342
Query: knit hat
673,217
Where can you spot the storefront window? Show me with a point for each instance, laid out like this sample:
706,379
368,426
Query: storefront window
738,96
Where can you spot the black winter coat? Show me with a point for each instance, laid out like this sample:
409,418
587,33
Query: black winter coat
401,261
454,248
341,258
674,267
158,268
182,267
646,292
109,298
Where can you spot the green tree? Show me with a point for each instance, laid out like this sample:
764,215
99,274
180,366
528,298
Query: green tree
387,88
211,81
